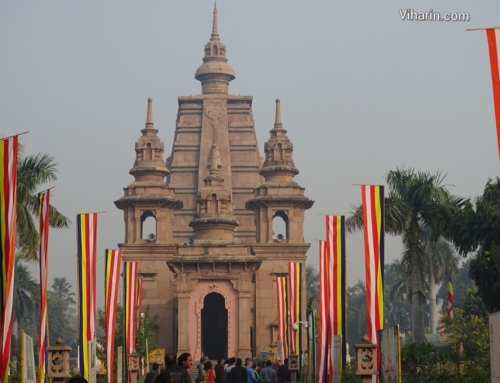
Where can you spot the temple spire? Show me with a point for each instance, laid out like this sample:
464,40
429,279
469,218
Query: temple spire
215,26
277,122
149,118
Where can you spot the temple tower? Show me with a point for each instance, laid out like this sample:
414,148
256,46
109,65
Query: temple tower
209,267
214,117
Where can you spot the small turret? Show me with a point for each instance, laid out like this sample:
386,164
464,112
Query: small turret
149,164
278,164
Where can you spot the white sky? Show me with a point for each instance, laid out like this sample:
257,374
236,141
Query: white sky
362,92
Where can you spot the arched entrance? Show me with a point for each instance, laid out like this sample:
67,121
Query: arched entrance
214,327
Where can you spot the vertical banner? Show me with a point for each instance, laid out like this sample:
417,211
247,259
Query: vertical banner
493,36
28,373
283,327
295,305
8,190
451,299
390,352
323,311
43,230
139,302
86,233
335,237
113,261
130,271
373,227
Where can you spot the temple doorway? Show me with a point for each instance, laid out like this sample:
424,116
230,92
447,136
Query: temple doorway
214,327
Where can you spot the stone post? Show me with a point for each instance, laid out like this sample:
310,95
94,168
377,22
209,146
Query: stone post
366,360
58,363
133,366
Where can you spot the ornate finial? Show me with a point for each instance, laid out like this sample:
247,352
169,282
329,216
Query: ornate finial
59,342
277,122
214,161
215,27
149,118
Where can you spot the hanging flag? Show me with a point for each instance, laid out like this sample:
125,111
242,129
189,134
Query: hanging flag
283,327
295,305
43,232
335,234
86,233
493,36
323,313
8,191
130,282
450,297
373,228
113,261
139,302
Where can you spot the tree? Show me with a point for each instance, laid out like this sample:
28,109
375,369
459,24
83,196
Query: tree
62,289
312,284
26,295
32,172
415,200
356,312
145,332
440,260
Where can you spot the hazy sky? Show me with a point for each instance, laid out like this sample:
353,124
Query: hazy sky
362,92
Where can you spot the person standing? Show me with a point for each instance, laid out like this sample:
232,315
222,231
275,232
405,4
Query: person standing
284,375
239,373
267,374
230,365
250,372
220,373
153,374
172,373
208,373
185,361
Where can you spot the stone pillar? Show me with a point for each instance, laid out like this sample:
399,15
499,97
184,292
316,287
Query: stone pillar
245,349
183,322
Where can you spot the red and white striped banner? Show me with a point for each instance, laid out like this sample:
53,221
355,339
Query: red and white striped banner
43,342
139,302
130,282
8,191
281,298
493,36
113,262
323,313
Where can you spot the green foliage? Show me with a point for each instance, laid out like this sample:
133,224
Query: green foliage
312,285
348,375
424,363
416,202
461,283
485,270
33,171
145,332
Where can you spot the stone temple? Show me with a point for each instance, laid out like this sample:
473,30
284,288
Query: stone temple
210,261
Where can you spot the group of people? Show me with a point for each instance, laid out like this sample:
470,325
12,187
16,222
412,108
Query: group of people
229,371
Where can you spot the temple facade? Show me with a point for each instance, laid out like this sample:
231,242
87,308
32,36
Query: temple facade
215,223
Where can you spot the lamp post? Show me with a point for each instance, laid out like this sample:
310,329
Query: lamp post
58,366
297,358
366,359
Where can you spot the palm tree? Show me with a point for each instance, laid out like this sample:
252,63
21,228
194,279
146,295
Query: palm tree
26,292
440,259
415,200
32,172
62,289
